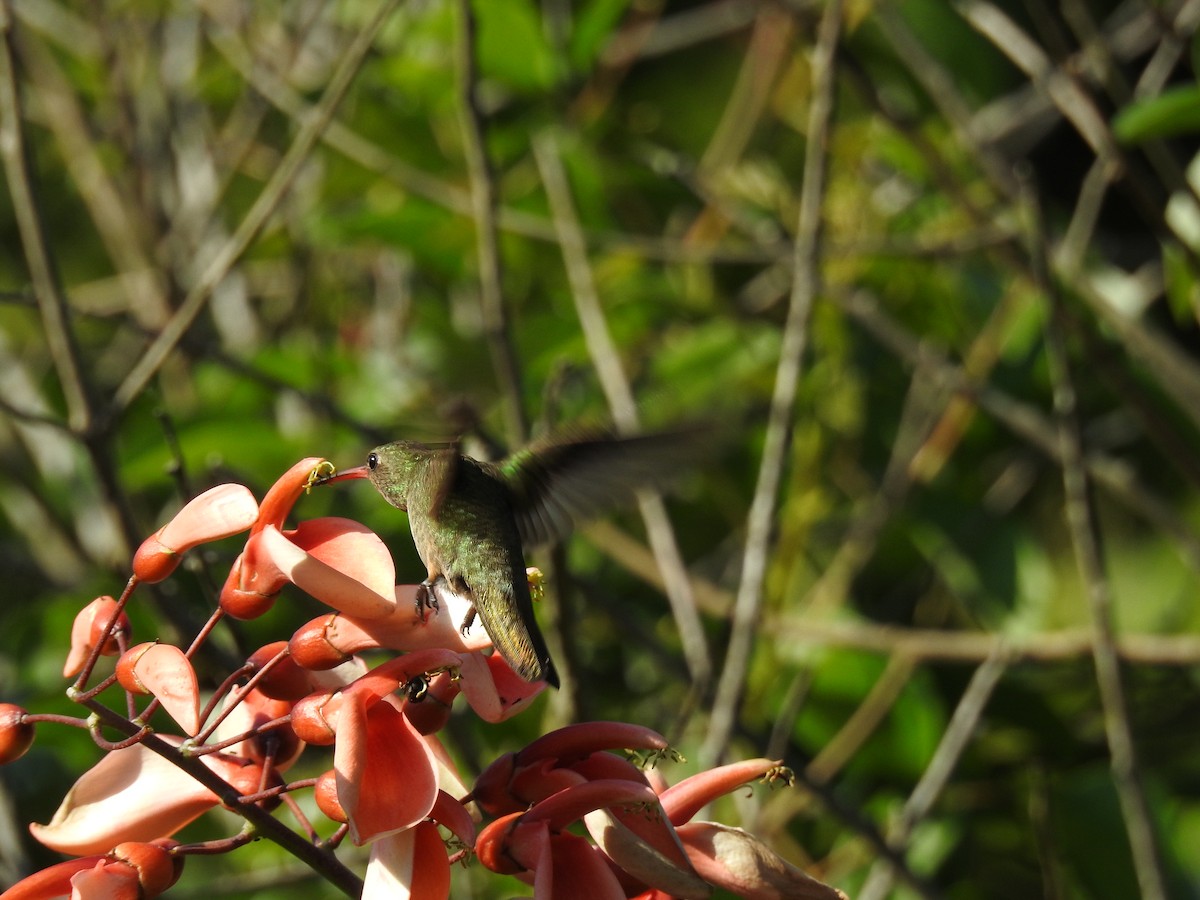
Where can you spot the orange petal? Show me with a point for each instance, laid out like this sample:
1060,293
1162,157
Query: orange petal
284,493
401,629
348,547
106,881
409,864
573,742
494,690
573,803
219,512
453,815
164,671
52,882
91,622
130,795
385,777
331,586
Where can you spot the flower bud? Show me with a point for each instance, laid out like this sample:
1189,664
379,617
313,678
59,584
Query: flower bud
16,734
325,793
285,680
157,868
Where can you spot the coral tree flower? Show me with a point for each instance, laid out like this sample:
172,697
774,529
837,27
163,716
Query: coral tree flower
649,839
731,858
338,561
91,624
386,772
219,512
134,794
568,776
132,871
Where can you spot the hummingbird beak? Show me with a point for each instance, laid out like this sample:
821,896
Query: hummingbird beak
347,475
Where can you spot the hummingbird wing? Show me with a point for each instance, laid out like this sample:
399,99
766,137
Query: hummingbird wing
561,480
444,466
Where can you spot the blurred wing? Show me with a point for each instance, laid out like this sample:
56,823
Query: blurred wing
444,467
565,479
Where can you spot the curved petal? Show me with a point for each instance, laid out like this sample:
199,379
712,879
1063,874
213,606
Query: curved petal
573,803
51,882
409,864
684,800
90,624
577,872
737,861
130,795
329,585
453,815
164,671
219,512
643,843
494,690
106,881
402,628
287,490
582,739
349,547
385,777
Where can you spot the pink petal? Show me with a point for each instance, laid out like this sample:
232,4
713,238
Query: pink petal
164,671
349,547
684,800
453,815
737,861
385,777
329,585
447,772
642,842
219,512
130,795
401,629
51,882
494,690
409,864
90,622
106,881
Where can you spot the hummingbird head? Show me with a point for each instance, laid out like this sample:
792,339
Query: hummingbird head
394,467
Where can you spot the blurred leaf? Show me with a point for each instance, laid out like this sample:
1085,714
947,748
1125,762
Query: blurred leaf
512,46
593,29
1175,111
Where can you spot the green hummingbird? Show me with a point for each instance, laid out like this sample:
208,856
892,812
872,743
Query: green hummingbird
472,520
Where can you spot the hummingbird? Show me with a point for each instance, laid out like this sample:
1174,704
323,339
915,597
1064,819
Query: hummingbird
473,520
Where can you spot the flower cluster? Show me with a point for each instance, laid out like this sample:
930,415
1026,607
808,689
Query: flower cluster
392,784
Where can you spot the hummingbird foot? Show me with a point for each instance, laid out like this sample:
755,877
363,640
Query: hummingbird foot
467,622
426,600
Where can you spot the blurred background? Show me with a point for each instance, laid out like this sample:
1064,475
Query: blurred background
930,266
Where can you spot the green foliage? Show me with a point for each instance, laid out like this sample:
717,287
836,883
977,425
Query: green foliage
921,510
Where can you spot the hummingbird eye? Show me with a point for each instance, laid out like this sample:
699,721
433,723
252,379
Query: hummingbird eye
372,461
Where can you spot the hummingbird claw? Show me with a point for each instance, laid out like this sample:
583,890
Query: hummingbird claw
426,600
467,622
